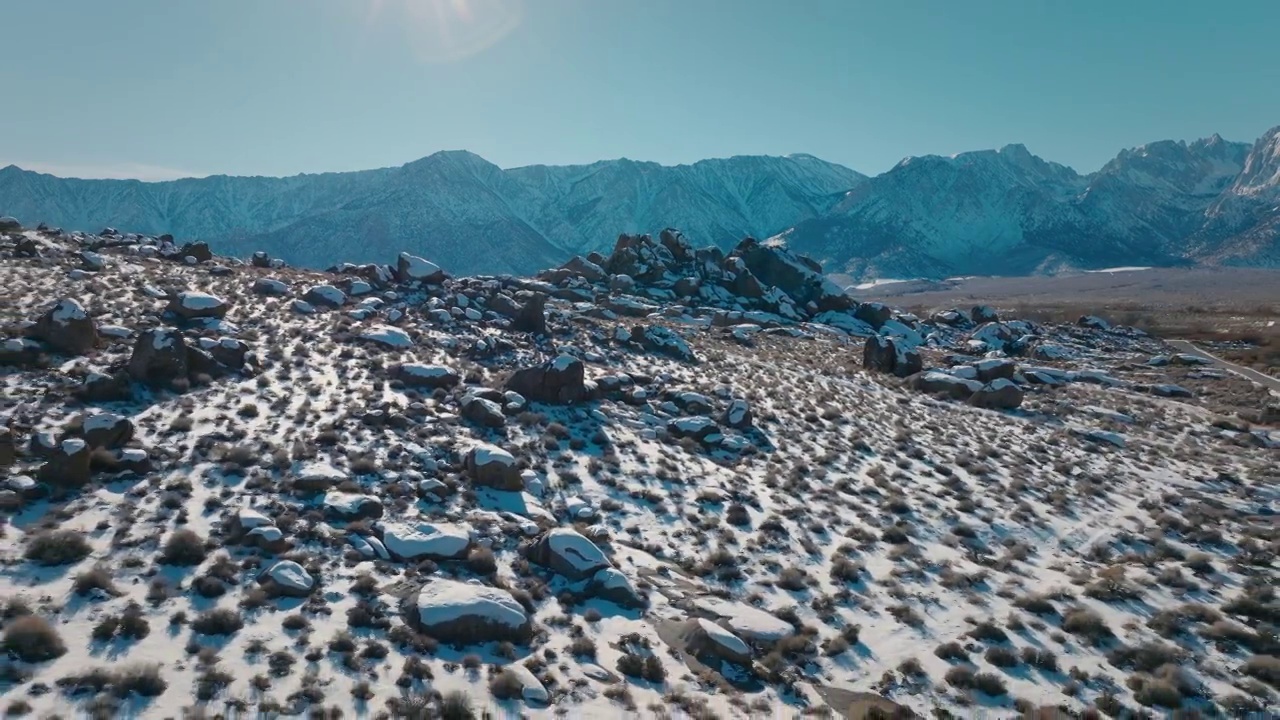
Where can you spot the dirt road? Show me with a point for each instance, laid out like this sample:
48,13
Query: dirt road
1266,381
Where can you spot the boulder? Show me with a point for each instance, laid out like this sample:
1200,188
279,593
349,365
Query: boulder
1171,391
468,613
316,477
8,447
411,268
687,287
67,328
873,313
711,643
8,223
561,381
191,305
260,259
568,553
491,466
983,314
995,368
67,465
106,430
387,336
346,506
658,339
998,394
483,412
738,414
639,257
159,357
325,296
287,578
884,354
228,352
198,250
698,427
416,541
270,286
677,244
613,585
19,352
532,316
428,376
939,383
583,267
797,276
1093,322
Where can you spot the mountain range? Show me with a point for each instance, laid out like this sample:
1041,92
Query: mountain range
1000,211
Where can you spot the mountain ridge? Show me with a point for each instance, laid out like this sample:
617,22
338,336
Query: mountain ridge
1002,210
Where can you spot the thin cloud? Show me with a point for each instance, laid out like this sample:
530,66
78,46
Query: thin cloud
117,171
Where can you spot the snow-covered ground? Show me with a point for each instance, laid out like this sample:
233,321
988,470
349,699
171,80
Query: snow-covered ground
713,525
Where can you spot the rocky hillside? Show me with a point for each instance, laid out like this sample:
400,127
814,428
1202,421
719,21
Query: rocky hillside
667,481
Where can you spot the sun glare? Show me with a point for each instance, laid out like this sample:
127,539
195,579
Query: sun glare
448,30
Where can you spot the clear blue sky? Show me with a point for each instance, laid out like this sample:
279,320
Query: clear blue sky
155,88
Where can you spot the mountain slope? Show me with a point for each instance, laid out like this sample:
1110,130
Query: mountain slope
1009,212
464,212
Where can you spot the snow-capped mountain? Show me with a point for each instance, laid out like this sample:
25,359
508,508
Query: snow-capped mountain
1000,211
464,212
1009,212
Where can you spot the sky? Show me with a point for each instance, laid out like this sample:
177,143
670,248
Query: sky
156,89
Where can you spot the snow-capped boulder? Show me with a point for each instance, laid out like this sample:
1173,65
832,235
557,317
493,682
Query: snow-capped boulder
1093,322
995,368
348,506
287,578
8,223
325,296
228,352
711,643
317,477
531,688
67,466
613,585
428,376
199,251
1000,394
658,339
568,553
66,327
483,412
106,430
411,268
799,277
698,427
750,623
1170,391
491,466
437,541
936,382
387,336
468,612
190,305
873,313
558,382
583,267
159,357
99,387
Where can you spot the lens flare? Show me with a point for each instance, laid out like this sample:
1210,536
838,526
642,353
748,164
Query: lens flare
443,31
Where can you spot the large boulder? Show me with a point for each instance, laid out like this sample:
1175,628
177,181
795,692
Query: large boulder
560,381
983,314
884,354
67,466
697,427
106,430
491,466
483,412
738,414
100,387
936,382
434,541
639,257
677,244
288,579
8,223
995,368
347,506
411,268
261,259
797,276
428,376
228,352
658,339
270,286
199,251
468,612
66,327
325,296
159,357
998,394
532,316
568,553
1093,322
873,313
191,305
583,267
711,643
613,585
